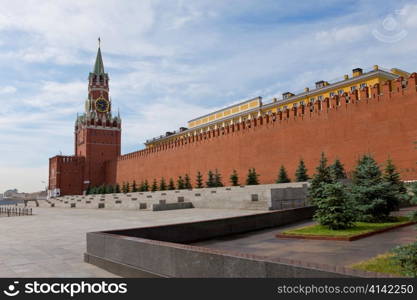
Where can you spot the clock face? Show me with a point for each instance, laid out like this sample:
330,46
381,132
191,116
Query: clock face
102,105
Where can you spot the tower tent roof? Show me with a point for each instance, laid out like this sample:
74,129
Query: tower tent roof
99,66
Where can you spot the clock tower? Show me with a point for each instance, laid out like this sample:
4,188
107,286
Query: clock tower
97,131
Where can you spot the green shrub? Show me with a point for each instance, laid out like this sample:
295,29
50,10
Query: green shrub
301,172
374,196
145,186
282,176
337,170
171,184
199,180
187,182
320,178
406,257
335,209
234,178
252,178
396,190
134,187
109,189
180,183
217,179
162,184
154,186
210,179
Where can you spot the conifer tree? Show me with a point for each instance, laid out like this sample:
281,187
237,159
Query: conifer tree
134,187
187,182
282,176
210,179
397,191
370,192
154,186
93,190
171,184
142,186
217,179
88,191
102,189
199,180
234,178
335,209
301,172
162,184
338,170
180,183
320,178
117,188
109,189
252,178
127,187
145,186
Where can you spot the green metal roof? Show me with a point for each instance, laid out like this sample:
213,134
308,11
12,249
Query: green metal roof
99,66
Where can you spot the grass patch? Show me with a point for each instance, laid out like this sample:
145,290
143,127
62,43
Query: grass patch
359,228
381,264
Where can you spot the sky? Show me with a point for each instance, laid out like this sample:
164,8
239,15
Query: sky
170,61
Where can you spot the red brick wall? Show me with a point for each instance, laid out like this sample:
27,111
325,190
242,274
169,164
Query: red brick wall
384,125
99,146
66,173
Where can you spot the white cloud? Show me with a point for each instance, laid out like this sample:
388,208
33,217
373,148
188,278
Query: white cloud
169,61
8,89
23,178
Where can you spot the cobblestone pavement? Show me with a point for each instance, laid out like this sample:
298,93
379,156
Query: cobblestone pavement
51,243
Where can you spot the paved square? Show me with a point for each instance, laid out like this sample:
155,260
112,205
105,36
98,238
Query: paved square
51,243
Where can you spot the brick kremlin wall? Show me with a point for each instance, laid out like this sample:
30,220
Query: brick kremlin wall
381,120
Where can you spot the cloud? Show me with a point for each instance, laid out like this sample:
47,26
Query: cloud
170,61
7,89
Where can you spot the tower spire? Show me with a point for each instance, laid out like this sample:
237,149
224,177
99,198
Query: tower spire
99,66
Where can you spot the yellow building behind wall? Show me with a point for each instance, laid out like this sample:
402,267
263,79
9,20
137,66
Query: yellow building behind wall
253,108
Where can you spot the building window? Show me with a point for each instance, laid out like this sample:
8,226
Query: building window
294,105
302,102
363,85
312,100
320,98
353,88
331,94
285,107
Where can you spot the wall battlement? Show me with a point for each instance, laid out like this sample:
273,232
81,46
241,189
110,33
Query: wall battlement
366,95
380,120
69,159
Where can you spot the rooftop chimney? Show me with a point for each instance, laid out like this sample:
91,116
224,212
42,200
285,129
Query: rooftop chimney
287,95
357,72
321,83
